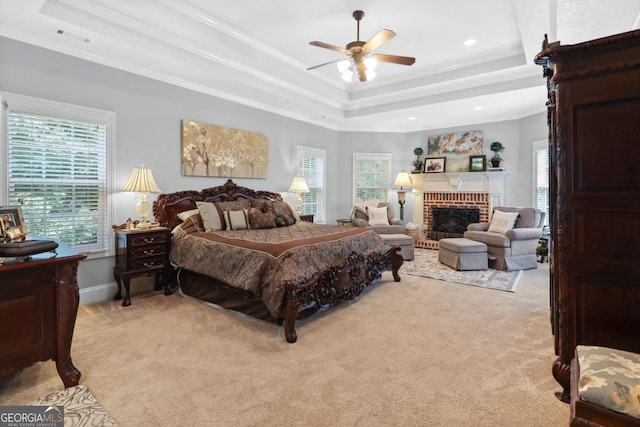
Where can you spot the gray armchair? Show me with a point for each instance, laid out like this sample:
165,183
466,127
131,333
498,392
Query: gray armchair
360,218
516,248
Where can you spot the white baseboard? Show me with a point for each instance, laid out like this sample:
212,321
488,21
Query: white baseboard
98,293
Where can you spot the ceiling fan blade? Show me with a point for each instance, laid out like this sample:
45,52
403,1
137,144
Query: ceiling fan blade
378,40
322,65
402,60
328,46
361,71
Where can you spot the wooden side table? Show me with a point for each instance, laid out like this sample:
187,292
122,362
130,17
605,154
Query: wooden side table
141,252
343,221
38,308
306,217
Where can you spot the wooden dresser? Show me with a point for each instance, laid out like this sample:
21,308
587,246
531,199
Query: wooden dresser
594,141
38,308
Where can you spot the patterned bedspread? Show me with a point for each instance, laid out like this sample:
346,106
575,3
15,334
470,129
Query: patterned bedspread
260,261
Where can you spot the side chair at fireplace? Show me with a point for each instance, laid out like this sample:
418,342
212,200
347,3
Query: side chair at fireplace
515,249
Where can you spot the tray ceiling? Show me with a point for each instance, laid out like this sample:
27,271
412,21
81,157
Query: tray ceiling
257,53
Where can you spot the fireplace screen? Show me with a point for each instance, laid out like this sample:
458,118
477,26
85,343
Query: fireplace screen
452,222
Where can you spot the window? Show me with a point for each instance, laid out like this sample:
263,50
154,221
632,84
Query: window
312,166
57,170
541,178
371,176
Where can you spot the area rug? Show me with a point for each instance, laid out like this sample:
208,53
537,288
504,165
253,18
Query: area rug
426,264
81,408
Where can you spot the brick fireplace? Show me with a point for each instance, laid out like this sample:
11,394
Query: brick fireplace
467,190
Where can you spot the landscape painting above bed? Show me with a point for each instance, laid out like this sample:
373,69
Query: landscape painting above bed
210,150
456,147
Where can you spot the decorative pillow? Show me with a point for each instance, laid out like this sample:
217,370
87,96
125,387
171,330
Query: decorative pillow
210,216
501,222
285,220
236,220
261,204
190,225
193,216
283,213
377,216
260,220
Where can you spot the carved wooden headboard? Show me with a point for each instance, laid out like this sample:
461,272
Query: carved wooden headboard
166,207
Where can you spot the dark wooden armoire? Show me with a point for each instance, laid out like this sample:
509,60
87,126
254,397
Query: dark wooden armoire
594,150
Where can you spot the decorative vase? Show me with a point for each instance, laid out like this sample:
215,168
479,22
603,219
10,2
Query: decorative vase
496,163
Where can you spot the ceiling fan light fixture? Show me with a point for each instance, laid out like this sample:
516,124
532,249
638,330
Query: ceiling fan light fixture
370,74
371,63
343,65
347,76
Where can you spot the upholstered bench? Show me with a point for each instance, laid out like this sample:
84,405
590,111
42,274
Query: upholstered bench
463,254
405,243
605,387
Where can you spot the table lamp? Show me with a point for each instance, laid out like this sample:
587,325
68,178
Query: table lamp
402,180
142,182
298,186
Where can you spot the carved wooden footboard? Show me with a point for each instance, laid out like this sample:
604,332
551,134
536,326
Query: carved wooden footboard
343,282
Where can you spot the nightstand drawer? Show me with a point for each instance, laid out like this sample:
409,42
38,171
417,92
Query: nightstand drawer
147,263
146,251
147,238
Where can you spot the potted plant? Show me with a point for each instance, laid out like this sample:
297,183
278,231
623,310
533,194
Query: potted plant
497,148
417,163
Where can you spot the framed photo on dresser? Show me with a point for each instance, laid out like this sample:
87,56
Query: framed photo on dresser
13,225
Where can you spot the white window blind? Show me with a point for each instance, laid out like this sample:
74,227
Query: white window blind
541,156
371,176
57,173
312,166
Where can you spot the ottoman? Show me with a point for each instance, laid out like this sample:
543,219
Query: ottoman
463,254
403,241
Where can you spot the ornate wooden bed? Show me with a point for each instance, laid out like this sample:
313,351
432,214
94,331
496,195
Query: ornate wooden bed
300,297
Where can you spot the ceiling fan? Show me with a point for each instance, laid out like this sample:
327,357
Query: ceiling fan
360,53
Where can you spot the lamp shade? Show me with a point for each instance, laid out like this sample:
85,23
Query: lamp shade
299,185
402,180
141,180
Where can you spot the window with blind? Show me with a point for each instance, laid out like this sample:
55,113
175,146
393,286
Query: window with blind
371,179
57,171
541,178
312,166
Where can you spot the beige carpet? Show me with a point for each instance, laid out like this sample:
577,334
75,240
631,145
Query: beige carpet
416,353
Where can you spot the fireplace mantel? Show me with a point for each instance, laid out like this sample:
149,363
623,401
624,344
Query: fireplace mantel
459,182
491,183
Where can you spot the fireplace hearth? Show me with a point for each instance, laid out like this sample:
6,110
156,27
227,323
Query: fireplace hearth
452,222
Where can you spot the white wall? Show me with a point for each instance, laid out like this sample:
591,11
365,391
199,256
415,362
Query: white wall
148,116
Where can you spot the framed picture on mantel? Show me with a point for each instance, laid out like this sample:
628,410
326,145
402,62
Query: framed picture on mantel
477,163
434,164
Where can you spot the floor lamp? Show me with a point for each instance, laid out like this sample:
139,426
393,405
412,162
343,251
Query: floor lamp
402,180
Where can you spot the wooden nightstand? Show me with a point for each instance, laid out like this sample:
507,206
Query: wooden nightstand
141,252
306,217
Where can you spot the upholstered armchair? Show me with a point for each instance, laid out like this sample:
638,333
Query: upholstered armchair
378,216
511,237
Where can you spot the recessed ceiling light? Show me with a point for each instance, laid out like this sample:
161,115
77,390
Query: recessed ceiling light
477,108
411,118
470,42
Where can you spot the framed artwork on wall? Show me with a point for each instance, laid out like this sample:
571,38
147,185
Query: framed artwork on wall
434,164
477,163
211,150
456,147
